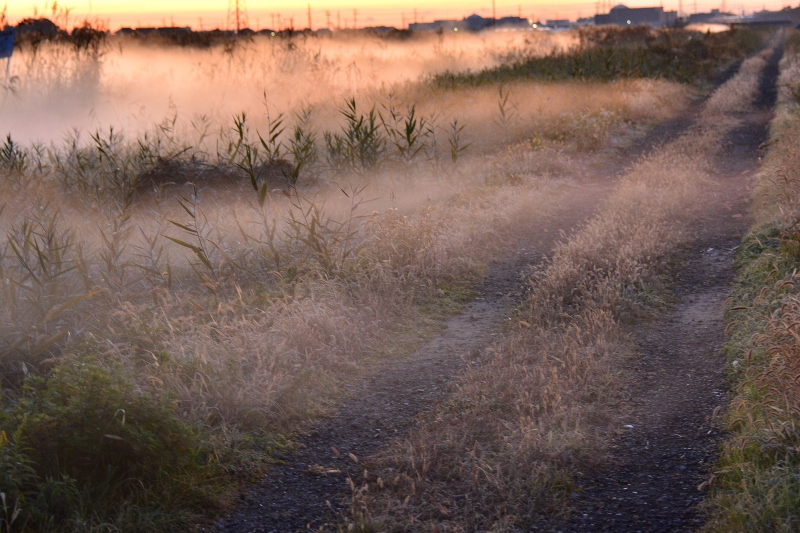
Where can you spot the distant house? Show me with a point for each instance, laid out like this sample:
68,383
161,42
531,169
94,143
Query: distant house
622,15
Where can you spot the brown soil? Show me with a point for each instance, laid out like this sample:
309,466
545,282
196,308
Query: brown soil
657,463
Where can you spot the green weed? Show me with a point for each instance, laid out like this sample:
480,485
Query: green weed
755,486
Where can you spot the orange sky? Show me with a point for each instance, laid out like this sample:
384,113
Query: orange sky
264,13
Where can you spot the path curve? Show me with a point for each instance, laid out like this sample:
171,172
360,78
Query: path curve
307,491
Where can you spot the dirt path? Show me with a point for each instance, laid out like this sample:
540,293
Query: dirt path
664,451
307,491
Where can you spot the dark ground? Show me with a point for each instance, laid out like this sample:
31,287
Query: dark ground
657,464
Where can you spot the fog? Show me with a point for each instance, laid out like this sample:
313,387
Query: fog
132,85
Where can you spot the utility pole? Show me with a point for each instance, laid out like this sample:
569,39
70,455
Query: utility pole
494,13
237,14
355,19
309,16
328,19
415,15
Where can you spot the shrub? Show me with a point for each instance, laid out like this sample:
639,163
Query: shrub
85,433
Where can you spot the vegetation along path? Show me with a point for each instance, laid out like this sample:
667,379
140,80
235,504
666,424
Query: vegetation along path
309,488
661,457
658,460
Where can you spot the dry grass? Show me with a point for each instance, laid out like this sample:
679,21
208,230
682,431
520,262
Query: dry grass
257,315
241,315
507,447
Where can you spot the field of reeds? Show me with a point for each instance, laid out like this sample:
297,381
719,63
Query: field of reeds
522,427
178,293
755,485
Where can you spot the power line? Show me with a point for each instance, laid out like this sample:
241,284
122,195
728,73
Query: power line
237,14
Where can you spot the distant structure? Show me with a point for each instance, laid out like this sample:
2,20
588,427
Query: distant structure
714,17
558,24
623,15
788,16
471,23
438,25
237,15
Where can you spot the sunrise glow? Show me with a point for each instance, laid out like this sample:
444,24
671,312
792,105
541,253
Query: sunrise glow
209,14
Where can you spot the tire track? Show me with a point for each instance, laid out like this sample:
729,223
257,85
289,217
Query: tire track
663,453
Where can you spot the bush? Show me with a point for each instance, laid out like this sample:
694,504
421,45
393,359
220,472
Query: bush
84,436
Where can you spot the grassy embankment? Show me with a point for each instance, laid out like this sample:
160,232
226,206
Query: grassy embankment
506,449
608,54
756,485
155,350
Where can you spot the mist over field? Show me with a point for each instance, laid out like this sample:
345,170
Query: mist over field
131,86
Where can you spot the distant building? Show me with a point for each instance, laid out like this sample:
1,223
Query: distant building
787,16
714,17
512,22
558,24
477,22
622,15
438,25
471,23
